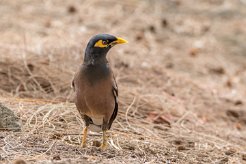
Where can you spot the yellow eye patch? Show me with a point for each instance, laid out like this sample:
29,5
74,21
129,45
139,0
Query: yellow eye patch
101,44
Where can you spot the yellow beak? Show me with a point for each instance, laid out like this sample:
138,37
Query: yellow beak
120,41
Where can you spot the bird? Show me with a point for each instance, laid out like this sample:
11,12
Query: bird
95,87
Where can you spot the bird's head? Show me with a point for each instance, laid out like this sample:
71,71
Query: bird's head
98,47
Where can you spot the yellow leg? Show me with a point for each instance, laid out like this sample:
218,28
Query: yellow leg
83,143
104,141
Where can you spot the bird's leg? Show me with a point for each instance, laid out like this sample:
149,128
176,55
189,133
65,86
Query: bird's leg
87,123
104,141
104,137
83,143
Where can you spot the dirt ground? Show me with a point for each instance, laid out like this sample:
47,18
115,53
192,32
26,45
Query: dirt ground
181,78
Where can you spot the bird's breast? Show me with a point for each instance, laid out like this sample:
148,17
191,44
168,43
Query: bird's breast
96,73
94,96
99,98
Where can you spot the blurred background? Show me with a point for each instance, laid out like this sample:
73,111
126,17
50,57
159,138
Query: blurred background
202,40
185,62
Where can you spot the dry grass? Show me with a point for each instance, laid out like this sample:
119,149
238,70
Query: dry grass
181,79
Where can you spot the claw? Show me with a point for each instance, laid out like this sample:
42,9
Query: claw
103,147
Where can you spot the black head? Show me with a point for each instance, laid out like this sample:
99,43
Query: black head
98,47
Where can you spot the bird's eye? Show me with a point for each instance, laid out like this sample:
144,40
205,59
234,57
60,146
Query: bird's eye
104,42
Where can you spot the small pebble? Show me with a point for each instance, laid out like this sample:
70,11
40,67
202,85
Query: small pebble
224,160
230,152
71,9
238,102
244,157
177,142
164,22
96,143
56,157
19,161
152,29
181,147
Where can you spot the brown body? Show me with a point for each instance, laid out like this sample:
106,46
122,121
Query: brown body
95,94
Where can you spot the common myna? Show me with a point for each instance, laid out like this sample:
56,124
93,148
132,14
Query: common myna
96,91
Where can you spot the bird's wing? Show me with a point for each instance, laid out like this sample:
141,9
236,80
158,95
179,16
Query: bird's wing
115,93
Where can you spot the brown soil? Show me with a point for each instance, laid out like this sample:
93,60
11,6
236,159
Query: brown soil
181,80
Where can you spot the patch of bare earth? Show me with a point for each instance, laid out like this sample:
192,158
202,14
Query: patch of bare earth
181,80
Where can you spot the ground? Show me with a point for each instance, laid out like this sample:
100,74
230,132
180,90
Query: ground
181,80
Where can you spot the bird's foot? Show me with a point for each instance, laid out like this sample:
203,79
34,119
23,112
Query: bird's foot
103,146
83,145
